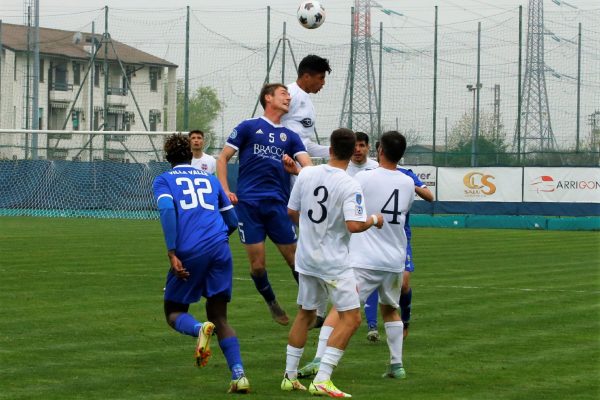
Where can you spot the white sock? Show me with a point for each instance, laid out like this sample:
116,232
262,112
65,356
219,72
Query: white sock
394,333
323,338
292,359
329,361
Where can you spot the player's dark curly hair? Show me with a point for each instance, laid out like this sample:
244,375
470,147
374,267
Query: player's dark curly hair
313,64
342,142
177,149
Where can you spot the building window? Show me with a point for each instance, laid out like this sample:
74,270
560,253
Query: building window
154,119
154,77
76,73
41,70
76,117
97,75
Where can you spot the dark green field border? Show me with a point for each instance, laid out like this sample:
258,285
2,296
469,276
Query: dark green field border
418,220
507,222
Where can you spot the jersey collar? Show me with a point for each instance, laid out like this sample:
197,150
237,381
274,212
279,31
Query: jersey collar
271,122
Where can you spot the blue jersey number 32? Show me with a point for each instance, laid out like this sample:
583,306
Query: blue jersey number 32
196,190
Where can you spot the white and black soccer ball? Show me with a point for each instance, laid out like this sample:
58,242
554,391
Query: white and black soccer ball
311,14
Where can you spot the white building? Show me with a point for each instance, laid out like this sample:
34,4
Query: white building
67,84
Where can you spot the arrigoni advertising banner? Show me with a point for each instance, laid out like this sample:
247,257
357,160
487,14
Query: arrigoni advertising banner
561,185
479,184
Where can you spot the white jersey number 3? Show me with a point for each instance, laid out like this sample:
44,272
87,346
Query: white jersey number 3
196,190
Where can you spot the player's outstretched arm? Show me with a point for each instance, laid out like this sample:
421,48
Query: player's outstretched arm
222,161
424,193
304,159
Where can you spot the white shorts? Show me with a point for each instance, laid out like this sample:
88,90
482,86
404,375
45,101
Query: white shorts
388,285
314,292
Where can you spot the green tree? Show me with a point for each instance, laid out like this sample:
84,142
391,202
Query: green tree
491,143
204,107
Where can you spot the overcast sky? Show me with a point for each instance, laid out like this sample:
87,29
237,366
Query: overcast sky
237,28
337,10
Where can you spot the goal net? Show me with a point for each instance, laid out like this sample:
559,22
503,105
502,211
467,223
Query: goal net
80,173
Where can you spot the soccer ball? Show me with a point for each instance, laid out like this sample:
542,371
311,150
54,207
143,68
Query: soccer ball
311,14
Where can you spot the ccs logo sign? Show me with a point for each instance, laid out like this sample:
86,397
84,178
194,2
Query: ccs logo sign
478,184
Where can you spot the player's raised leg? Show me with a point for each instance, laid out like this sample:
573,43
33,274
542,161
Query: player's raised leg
260,277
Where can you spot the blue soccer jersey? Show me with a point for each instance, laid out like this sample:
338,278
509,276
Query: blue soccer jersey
418,183
198,198
261,144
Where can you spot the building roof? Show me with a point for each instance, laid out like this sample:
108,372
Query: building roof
56,42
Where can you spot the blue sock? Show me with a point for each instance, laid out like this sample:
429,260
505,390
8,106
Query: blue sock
405,305
264,287
371,309
231,350
187,324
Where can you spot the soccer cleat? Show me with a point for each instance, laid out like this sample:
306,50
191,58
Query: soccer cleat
239,385
395,371
309,369
373,334
278,314
319,321
289,385
203,345
326,388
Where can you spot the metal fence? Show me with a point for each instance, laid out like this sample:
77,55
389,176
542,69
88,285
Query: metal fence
230,50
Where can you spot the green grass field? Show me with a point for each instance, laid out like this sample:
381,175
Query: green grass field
497,314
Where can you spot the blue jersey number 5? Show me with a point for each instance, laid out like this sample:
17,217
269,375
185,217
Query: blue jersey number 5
196,190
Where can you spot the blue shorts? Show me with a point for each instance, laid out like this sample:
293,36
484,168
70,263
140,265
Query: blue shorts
261,218
211,274
409,265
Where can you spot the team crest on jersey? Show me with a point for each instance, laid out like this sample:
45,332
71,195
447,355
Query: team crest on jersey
358,198
233,134
204,167
307,122
283,137
358,210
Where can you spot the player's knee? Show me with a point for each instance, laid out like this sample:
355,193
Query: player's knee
258,270
353,320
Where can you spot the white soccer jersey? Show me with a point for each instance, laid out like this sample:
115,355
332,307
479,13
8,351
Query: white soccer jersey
326,198
301,114
205,163
390,193
354,169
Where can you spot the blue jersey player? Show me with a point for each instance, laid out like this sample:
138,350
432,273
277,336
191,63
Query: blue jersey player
406,293
197,216
263,187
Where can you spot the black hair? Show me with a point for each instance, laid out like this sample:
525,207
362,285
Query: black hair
312,64
177,149
198,131
362,137
393,145
342,142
